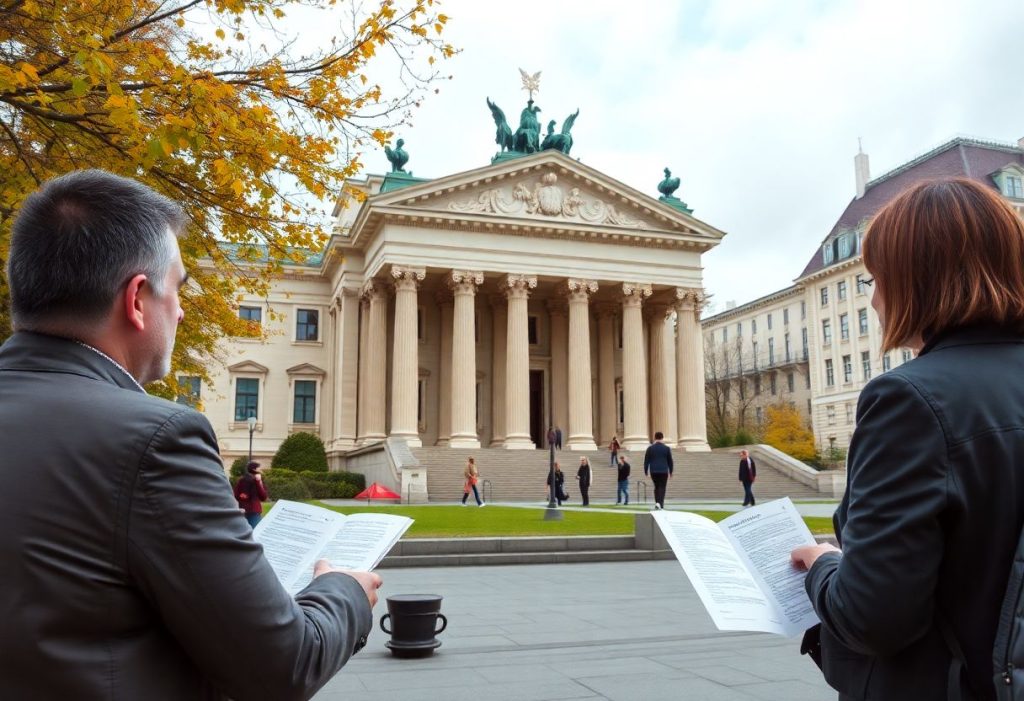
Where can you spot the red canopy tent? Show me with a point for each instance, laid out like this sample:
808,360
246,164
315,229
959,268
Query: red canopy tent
376,491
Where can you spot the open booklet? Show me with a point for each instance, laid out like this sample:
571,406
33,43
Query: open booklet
295,535
741,569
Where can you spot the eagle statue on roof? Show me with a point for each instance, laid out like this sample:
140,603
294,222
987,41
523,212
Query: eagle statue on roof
397,156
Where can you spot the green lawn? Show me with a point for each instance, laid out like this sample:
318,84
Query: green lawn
496,521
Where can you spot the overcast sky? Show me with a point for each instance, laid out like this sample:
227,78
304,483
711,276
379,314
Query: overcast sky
755,104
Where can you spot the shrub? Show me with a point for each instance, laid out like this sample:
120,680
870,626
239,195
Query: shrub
356,480
743,437
301,452
238,468
285,484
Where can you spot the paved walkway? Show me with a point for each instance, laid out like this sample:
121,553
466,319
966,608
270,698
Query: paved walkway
618,631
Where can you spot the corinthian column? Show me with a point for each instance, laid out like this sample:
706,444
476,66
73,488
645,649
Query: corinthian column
662,418
444,393
634,367
376,361
606,371
517,367
463,286
498,369
405,359
581,398
690,371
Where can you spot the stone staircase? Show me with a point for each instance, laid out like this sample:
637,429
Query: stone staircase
521,475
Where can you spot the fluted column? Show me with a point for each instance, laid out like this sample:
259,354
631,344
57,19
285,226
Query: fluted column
581,399
405,358
690,371
499,359
444,393
364,374
346,368
376,361
463,286
557,312
661,418
634,367
671,429
606,371
517,374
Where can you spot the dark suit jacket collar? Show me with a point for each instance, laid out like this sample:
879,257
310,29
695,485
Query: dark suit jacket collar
35,352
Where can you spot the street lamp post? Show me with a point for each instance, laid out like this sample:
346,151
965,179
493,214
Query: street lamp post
551,513
252,427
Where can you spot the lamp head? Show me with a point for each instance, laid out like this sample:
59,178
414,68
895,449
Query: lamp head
252,423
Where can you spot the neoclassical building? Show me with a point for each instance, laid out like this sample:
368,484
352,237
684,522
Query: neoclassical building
476,310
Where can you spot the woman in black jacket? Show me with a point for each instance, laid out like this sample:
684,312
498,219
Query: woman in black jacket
934,503
586,477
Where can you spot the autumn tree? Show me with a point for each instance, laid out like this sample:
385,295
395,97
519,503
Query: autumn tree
220,105
786,430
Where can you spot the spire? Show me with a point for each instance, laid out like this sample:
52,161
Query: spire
861,170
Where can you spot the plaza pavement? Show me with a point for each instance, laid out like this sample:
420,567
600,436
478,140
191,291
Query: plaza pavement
618,631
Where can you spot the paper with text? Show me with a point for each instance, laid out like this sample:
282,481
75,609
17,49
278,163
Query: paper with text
295,535
741,568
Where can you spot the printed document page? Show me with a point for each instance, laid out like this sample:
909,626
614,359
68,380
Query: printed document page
764,536
741,569
295,535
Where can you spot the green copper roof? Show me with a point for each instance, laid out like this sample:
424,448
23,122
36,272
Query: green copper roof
396,181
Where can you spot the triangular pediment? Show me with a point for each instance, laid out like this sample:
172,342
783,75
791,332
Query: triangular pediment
249,366
305,369
547,190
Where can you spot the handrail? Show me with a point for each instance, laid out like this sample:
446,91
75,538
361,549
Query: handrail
641,488
485,490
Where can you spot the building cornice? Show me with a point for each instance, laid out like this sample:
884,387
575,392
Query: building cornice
851,262
759,303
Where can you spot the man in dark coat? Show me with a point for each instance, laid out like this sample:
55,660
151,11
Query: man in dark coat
748,473
558,438
658,464
128,571
586,477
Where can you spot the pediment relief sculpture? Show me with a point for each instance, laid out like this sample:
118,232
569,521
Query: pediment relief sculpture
547,198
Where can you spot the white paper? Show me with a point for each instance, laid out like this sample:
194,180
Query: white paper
741,569
295,535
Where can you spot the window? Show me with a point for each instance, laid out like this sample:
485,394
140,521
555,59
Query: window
886,363
844,327
787,348
1014,187
865,364
728,392
759,413
769,321
803,342
188,391
771,378
531,330
803,310
785,317
725,334
906,356
739,329
753,345
830,414
862,321
808,407
861,287
849,413
807,379
844,244
247,398
847,368
790,382
830,376
757,385
841,289
826,332
253,314
305,402
771,351
828,254
307,327
824,296
753,326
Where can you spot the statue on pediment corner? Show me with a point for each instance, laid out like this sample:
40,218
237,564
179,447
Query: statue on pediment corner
397,157
561,141
668,186
503,137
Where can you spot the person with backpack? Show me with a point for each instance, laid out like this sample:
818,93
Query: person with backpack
250,493
910,607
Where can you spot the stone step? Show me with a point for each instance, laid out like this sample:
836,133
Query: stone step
523,558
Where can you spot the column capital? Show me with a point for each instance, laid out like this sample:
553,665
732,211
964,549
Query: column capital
464,281
690,299
578,289
518,286
407,278
372,289
634,293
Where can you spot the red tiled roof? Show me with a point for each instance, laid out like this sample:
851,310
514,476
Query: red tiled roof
958,158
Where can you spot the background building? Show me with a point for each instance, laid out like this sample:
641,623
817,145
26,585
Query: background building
839,334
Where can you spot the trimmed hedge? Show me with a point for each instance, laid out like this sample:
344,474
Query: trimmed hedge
353,478
301,452
283,483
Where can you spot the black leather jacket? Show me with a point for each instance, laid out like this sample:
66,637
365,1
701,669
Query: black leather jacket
929,522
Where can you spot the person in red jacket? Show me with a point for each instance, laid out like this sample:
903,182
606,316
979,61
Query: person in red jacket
251,493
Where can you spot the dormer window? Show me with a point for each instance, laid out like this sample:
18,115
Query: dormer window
844,246
1013,187
828,255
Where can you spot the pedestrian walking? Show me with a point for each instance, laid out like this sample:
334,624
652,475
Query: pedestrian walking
658,464
558,438
552,440
472,476
748,473
250,493
613,450
586,477
622,495
560,494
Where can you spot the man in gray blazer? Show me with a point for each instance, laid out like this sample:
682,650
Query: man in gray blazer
127,570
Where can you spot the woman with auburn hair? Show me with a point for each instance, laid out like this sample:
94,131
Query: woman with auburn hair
934,502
